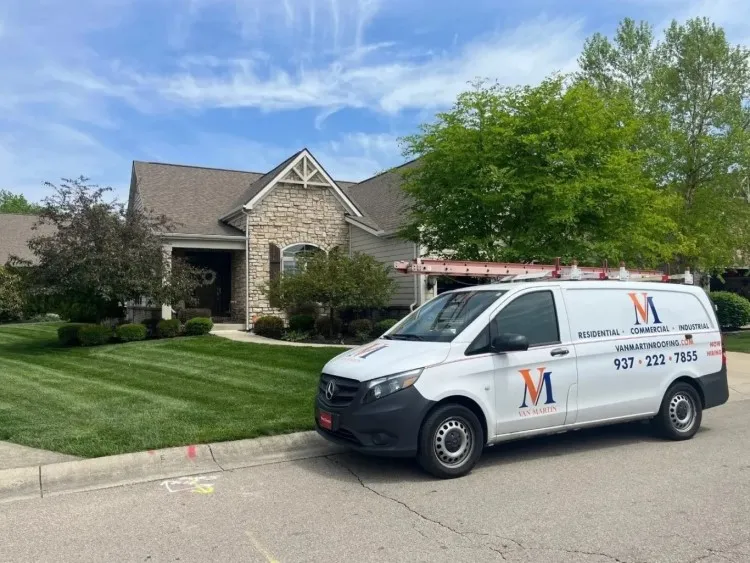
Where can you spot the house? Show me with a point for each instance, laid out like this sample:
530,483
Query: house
248,227
15,233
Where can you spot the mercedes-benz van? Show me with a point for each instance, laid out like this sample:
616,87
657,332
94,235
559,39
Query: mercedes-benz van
490,363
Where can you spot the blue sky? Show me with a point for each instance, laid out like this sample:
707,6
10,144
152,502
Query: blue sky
87,86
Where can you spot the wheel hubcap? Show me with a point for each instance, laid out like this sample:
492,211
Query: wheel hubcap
453,442
682,412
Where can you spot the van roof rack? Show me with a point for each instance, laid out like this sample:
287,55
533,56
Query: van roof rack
505,272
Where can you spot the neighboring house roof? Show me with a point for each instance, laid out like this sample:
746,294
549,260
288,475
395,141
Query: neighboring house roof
382,200
15,233
197,198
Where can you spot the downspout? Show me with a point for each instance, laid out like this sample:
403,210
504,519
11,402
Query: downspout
416,279
247,270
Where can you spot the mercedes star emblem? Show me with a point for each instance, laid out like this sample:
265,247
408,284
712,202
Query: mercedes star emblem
330,390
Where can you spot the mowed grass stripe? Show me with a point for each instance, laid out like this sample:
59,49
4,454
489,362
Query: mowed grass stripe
146,395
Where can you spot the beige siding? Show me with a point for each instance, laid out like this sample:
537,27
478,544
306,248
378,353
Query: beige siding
387,251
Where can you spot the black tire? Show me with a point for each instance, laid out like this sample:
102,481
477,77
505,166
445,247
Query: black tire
448,429
681,413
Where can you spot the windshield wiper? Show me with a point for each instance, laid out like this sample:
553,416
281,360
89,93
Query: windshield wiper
406,337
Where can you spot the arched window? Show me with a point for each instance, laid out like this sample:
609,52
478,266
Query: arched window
290,253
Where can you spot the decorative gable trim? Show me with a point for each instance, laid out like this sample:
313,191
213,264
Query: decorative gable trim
305,171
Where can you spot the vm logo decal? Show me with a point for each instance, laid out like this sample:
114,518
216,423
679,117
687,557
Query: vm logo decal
533,390
644,309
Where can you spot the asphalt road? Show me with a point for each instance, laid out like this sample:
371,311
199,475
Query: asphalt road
613,494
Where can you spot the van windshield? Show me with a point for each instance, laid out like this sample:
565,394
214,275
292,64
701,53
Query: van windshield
445,317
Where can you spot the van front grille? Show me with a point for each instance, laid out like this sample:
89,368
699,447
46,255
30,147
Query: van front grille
344,390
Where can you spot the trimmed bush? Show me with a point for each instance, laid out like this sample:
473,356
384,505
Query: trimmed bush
311,309
269,326
152,326
198,326
131,332
360,327
67,334
302,323
186,314
324,326
733,310
168,328
295,336
94,335
382,326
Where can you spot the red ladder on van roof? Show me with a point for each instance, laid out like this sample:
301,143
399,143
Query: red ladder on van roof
508,272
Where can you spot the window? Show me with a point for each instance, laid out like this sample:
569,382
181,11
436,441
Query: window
533,315
446,316
290,254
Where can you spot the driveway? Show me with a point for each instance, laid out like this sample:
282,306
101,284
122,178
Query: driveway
606,495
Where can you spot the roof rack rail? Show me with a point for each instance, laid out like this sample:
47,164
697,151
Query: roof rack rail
505,272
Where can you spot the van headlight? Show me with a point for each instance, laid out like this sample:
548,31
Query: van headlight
384,386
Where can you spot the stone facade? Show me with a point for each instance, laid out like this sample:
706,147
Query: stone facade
238,303
291,214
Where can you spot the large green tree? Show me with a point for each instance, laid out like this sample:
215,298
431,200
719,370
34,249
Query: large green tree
691,88
100,256
17,203
533,173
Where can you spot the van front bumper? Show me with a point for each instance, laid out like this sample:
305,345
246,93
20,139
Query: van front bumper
387,426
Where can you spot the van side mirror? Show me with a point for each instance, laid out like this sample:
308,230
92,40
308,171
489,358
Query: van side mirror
508,342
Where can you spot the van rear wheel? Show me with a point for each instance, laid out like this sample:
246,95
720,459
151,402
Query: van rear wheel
450,441
681,412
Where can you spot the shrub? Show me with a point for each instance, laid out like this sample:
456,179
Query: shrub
131,332
325,327
269,326
152,326
186,314
94,335
311,309
382,326
198,326
302,323
295,336
67,334
733,311
360,327
168,328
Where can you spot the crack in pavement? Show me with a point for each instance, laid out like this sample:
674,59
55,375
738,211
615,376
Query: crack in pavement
381,495
464,534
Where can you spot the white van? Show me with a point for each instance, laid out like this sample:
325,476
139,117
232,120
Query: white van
490,363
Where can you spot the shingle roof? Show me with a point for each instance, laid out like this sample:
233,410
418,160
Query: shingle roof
255,188
382,200
196,197
192,196
15,233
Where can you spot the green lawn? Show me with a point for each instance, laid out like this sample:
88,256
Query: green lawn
145,395
737,342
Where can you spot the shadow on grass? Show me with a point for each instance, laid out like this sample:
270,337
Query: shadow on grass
381,471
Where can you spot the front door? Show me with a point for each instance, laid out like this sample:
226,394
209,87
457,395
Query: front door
535,388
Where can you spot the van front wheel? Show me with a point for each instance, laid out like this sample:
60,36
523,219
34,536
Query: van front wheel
450,442
681,412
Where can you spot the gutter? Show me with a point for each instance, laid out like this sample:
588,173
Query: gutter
183,236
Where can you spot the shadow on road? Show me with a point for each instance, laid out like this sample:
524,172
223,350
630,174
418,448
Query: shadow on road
376,470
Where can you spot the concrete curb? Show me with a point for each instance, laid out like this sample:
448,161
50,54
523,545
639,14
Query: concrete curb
142,467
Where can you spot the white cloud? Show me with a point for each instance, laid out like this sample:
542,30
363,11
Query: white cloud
372,76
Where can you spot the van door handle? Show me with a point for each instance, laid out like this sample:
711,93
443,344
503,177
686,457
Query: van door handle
560,352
